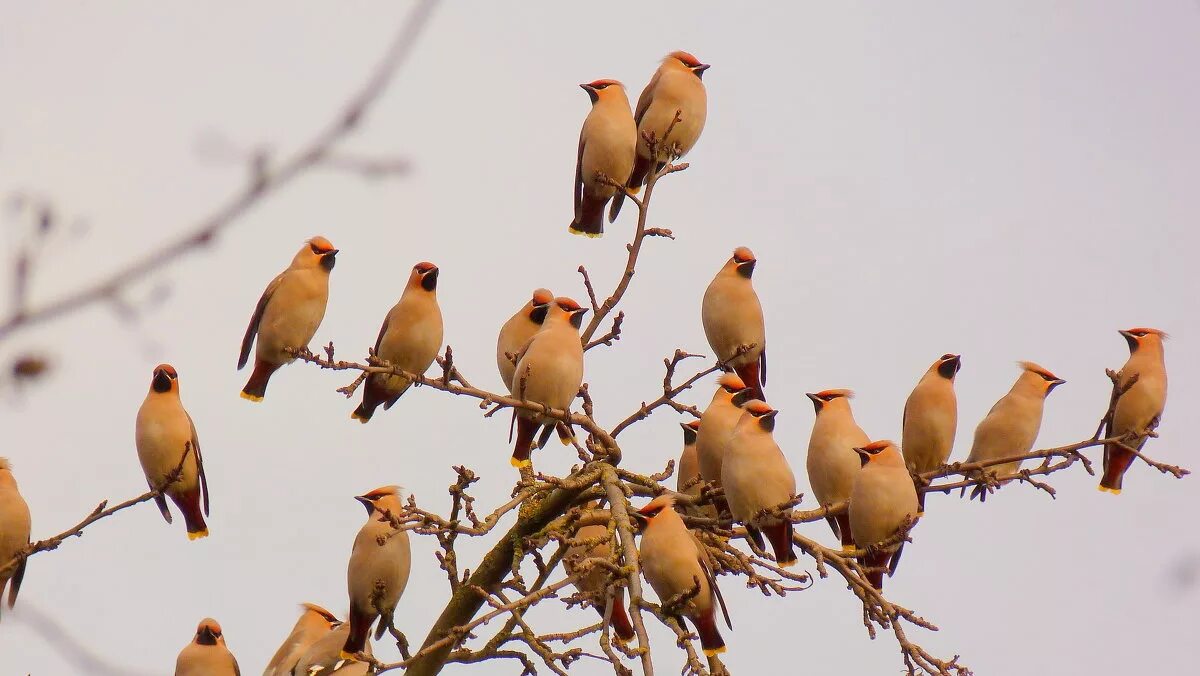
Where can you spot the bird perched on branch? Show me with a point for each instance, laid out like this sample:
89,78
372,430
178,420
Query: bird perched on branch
14,532
324,656
679,570
164,433
606,146
677,87
549,372
288,314
592,542
733,321
716,426
409,340
832,463
517,332
378,570
757,477
1011,426
688,479
207,654
931,419
314,623
1140,406
883,498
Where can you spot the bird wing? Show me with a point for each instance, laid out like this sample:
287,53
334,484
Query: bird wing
579,176
644,100
199,462
256,319
706,565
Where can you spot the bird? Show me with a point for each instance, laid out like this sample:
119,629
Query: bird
1011,426
549,372
409,340
677,87
592,541
325,654
314,623
931,419
832,463
288,314
716,425
14,532
164,432
687,475
882,499
378,569
607,145
756,477
517,331
733,321
207,654
676,565
1140,407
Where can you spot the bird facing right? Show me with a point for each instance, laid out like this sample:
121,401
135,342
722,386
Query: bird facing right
931,418
314,622
378,569
1140,406
207,654
733,321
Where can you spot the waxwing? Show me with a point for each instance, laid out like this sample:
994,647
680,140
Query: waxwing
606,147
716,426
207,655
756,477
517,332
549,371
1140,407
733,321
14,533
882,499
378,570
832,463
314,622
590,542
164,433
931,419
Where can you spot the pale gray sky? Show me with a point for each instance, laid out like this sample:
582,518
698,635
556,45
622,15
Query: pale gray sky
1005,180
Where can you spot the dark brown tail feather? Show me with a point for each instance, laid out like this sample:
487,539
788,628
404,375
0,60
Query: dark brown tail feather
526,429
590,221
920,498
641,167
620,619
780,536
188,503
385,623
710,638
878,562
360,628
843,521
1116,461
373,396
617,200
19,575
256,387
754,534
161,501
749,375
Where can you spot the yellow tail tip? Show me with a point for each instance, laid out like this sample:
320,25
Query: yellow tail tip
846,549
1106,489
789,564
637,189
515,462
920,514
713,652
592,235
342,654
250,397
198,534
354,415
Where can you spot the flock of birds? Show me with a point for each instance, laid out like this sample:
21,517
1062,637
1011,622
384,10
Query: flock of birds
539,355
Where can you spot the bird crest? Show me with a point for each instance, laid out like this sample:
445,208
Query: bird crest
320,245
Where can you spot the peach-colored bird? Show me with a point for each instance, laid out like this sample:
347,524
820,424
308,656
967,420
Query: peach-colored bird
733,321
931,418
757,477
14,532
606,147
518,331
592,542
378,569
288,314
314,623
207,654
1140,407
677,87
409,339
549,372
164,432
716,426
832,463
675,564
882,499
324,656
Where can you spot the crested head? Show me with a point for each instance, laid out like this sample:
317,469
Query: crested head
1140,335
208,632
685,58
664,502
383,491
883,451
541,297
570,310
164,379
1046,380
1034,368
5,464
758,407
947,365
820,399
690,430
742,263
314,608
731,383
878,446
758,413
743,254
320,245
316,252
424,275
597,89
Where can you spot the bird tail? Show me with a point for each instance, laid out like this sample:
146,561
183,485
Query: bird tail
920,501
750,375
843,522
620,620
617,200
754,534
373,396
18,575
641,167
1116,461
589,222
710,638
256,387
526,429
360,629
780,536
188,503
877,565
161,501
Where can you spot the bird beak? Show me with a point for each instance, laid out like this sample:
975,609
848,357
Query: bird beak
863,456
366,502
699,70
207,636
328,259
1053,384
162,381
742,396
1125,333
817,402
429,280
591,91
639,517
746,268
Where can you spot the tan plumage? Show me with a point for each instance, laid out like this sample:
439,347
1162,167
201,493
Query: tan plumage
549,371
733,321
606,146
676,87
716,426
409,339
314,623
1140,406
325,654
832,463
14,532
1011,426
207,654
931,418
882,498
163,432
756,477
674,564
593,542
373,564
517,332
287,314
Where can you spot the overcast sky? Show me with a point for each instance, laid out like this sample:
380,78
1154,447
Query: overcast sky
1003,180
